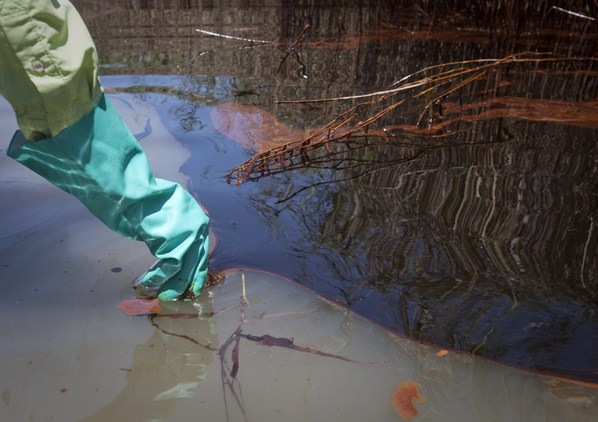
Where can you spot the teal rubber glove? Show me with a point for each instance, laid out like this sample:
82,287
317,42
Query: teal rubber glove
99,161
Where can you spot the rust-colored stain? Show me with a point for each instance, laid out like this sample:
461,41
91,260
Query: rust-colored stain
442,353
253,128
140,306
571,113
403,397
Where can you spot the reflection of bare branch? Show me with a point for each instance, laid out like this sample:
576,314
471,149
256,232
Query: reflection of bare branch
374,166
435,86
292,49
577,15
232,37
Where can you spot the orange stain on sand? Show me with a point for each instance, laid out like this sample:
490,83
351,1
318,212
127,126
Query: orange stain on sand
140,306
403,397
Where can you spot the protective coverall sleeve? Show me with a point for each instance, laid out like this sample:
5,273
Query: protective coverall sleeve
73,137
49,70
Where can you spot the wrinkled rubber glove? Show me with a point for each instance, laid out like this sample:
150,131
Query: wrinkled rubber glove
99,161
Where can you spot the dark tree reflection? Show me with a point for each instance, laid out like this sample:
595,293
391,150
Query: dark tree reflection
485,239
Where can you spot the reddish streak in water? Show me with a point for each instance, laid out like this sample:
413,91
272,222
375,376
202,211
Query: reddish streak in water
253,128
402,399
140,306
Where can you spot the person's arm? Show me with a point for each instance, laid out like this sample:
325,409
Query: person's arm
49,69
72,136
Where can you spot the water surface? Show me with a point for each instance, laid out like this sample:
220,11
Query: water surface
474,230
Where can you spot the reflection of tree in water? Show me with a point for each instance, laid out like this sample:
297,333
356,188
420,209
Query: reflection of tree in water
489,248
478,229
481,237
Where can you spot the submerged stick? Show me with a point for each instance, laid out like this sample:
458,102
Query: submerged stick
183,336
289,343
230,369
229,379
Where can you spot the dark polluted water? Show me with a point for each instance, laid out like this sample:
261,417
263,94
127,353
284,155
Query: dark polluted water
473,226
464,217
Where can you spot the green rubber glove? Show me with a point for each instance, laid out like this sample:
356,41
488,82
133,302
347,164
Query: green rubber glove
99,161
